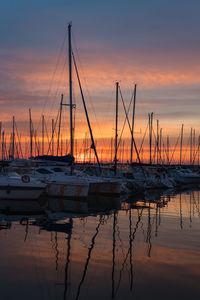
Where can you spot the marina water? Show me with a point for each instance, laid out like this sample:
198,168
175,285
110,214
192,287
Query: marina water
145,247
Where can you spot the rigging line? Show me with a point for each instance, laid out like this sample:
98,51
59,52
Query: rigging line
19,140
155,147
53,75
195,153
161,160
130,128
59,87
165,151
186,149
59,125
93,146
81,67
17,150
53,133
143,138
174,149
57,63
125,121
36,143
45,125
86,88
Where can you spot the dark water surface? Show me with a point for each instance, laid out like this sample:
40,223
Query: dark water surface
143,250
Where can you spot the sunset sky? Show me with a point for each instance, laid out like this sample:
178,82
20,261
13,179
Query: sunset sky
155,44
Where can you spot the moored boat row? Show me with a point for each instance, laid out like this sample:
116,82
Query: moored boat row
56,181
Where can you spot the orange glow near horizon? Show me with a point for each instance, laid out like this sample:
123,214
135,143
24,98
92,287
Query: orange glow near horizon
105,149
33,86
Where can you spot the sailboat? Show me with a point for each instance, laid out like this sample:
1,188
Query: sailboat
92,184
21,194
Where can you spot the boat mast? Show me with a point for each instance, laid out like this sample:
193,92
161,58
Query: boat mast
42,134
2,146
60,116
133,121
70,89
52,136
31,134
116,127
13,138
35,136
157,141
194,146
191,146
150,136
198,148
168,149
160,147
181,145
111,149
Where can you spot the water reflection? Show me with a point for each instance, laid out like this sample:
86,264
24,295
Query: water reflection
146,246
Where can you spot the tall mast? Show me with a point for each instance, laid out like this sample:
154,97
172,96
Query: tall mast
111,147
116,126
13,138
160,147
181,145
168,150
191,146
3,147
52,137
194,146
70,89
31,134
0,129
133,121
123,152
150,136
42,134
157,142
198,148
60,116
61,146
35,136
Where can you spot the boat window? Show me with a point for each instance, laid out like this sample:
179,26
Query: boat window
57,169
44,171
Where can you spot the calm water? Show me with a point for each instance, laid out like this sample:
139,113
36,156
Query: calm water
148,249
